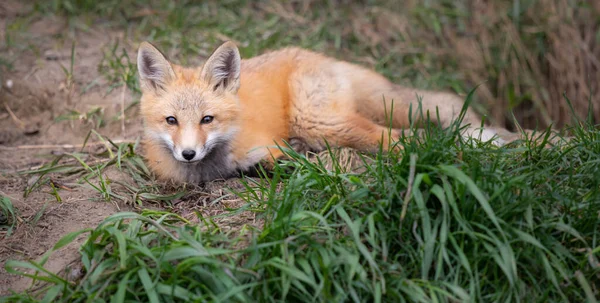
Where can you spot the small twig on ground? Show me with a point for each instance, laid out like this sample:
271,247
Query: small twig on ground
91,163
16,119
61,146
123,109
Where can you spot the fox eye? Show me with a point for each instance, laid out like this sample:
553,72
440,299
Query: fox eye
206,119
171,120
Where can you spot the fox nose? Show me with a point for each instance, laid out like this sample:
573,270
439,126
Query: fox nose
188,154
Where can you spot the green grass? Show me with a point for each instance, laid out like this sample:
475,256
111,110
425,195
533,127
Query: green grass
436,222
88,168
8,216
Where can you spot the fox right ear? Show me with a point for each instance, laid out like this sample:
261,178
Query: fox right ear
154,69
222,69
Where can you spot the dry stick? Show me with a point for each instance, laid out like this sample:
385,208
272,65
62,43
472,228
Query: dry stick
18,121
63,146
411,180
123,109
92,163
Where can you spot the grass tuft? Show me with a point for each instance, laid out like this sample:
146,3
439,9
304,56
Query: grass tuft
8,216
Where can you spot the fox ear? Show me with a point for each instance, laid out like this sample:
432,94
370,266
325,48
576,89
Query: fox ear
154,69
222,69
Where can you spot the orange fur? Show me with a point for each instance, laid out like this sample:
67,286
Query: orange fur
264,101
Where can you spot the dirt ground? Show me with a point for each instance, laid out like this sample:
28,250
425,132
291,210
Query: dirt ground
34,92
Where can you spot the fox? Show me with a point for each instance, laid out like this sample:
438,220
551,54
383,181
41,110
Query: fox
228,115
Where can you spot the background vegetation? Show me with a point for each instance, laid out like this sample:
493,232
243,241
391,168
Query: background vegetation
524,54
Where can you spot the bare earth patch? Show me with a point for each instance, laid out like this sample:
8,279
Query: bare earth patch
35,93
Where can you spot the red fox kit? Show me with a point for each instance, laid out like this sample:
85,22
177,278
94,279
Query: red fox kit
229,114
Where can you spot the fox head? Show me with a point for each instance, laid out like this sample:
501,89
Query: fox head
190,111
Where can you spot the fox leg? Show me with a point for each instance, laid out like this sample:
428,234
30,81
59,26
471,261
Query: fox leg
276,151
297,144
359,133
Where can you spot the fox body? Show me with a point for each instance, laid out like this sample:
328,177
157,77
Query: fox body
229,114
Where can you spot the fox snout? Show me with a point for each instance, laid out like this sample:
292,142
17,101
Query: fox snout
186,143
189,145
189,154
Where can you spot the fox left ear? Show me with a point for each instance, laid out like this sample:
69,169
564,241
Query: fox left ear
154,69
222,69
